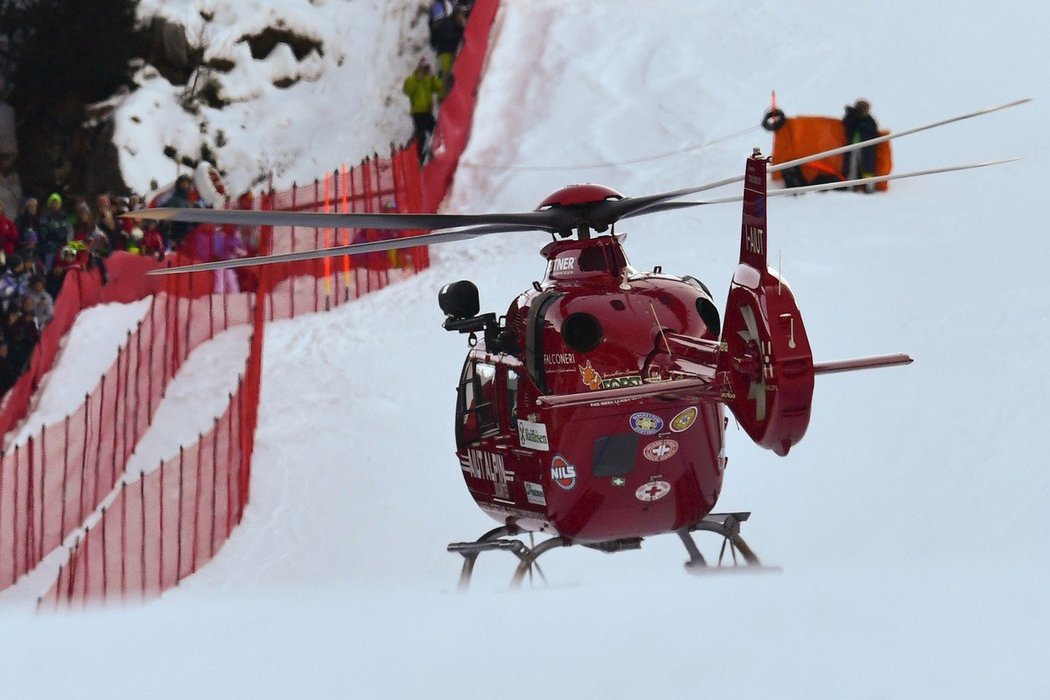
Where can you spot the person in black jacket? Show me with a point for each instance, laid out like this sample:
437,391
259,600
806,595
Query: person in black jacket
446,34
859,126
180,198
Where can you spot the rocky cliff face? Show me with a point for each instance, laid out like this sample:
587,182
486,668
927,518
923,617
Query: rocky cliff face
251,89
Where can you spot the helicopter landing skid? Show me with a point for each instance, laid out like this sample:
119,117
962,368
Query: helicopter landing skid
493,540
726,525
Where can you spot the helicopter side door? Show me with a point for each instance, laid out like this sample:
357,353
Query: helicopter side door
493,458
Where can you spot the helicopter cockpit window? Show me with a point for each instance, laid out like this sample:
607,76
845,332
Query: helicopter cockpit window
594,260
614,455
476,402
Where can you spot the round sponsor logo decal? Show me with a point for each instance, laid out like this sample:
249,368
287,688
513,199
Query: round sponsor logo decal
660,450
563,473
645,423
684,420
653,491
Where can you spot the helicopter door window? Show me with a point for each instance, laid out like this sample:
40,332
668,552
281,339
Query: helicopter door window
466,419
512,400
485,392
476,402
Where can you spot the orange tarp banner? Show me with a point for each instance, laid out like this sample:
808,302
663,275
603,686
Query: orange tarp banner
806,135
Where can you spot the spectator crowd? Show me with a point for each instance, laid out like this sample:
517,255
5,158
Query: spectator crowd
40,245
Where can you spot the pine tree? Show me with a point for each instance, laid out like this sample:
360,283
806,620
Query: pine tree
58,57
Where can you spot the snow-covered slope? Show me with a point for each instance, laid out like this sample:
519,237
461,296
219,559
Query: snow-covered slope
910,522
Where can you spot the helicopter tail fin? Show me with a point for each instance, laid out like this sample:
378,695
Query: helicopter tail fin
765,364
753,223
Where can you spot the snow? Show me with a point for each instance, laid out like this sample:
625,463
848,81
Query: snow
345,101
910,523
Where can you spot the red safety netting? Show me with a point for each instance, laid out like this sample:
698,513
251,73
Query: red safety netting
138,534
135,535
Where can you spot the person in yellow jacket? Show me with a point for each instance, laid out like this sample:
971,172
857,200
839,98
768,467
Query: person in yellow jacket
422,87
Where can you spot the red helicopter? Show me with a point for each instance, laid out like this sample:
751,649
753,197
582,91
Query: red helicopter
593,411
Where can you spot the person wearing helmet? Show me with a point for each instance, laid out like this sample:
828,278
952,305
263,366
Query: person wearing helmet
859,126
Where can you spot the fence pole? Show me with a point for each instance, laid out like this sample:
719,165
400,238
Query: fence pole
105,578
117,404
346,231
15,544
317,234
98,443
160,529
142,523
30,507
123,539
178,520
43,491
197,504
65,482
291,266
87,565
231,443
214,484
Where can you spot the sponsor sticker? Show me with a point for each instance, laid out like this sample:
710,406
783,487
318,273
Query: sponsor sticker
652,491
533,435
563,473
621,382
660,450
559,362
645,423
564,265
534,492
487,465
590,377
684,420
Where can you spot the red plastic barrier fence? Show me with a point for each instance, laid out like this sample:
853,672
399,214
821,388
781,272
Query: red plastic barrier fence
160,526
138,535
53,482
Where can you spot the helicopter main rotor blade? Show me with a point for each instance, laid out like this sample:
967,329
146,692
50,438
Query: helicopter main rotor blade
596,215
890,137
632,206
543,220
845,184
353,249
